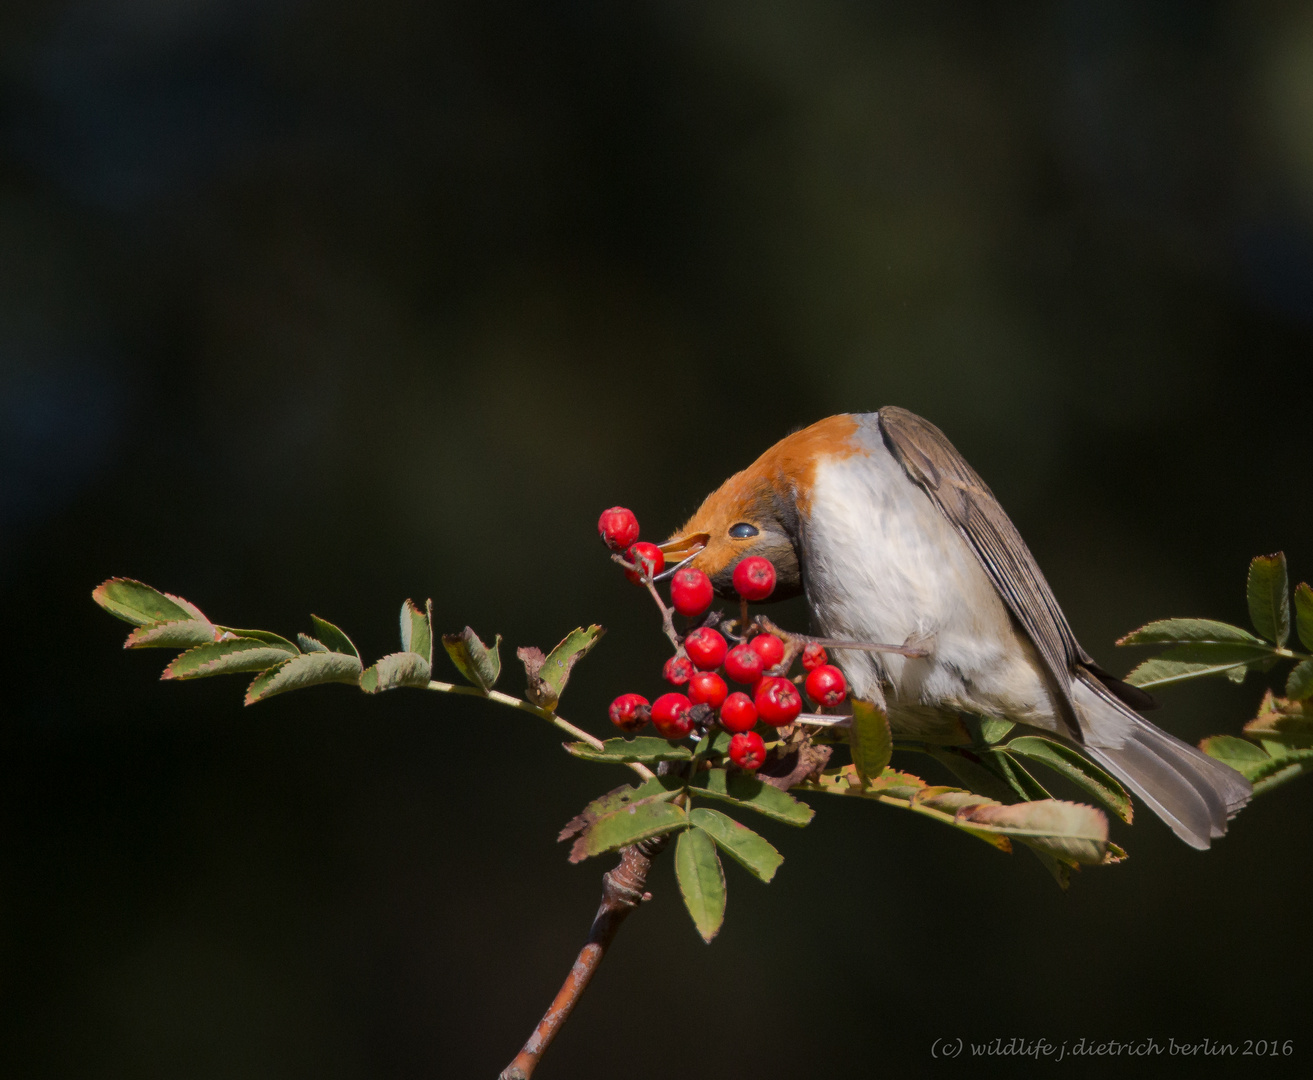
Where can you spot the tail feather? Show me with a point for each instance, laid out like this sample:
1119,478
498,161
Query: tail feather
1194,794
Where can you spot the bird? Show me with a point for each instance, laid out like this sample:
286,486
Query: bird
892,537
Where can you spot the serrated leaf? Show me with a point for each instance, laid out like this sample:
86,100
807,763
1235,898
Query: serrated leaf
332,637
1076,768
1199,659
655,816
750,850
645,749
869,739
1304,614
1067,831
227,633
549,674
1242,755
701,881
1282,721
1182,631
993,730
181,634
137,603
1017,777
1299,685
657,789
307,644
309,669
394,670
742,789
416,630
1268,592
225,657
480,665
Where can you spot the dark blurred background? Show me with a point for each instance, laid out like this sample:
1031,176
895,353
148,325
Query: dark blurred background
313,306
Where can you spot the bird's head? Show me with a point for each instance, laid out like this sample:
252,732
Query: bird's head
762,510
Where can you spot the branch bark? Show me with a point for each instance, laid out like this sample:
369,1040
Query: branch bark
622,891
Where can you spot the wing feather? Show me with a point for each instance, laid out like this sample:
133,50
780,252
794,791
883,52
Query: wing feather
965,500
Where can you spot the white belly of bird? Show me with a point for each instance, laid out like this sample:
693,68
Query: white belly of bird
882,564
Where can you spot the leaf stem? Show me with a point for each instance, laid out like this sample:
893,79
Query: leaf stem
542,714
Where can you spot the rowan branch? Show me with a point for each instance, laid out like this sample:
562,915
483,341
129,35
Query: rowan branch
622,891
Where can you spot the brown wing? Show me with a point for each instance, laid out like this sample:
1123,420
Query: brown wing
934,464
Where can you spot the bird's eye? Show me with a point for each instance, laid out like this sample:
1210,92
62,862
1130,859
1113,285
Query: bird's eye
742,530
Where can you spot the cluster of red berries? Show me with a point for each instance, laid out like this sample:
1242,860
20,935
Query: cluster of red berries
775,699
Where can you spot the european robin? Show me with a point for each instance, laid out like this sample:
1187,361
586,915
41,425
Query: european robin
893,538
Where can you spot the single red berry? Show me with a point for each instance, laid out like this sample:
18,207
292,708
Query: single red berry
629,713
706,648
678,670
690,592
618,527
645,555
777,701
738,713
813,656
670,714
770,647
754,578
707,688
826,685
747,750
743,663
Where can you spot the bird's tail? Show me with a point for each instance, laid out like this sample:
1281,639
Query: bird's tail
1194,794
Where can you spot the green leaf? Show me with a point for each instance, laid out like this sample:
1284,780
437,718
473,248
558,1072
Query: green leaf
1017,776
701,881
227,633
307,644
1182,662
332,637
1079,770
640,820
394,670
659,788
548,674
1268,591
646,749
979,773
869,739
1300,683
416,631
225,657
750,850
480,665
1304,614
1182,631
137,603
309,669
181,634
1065,830
1242,755
993,730
742,789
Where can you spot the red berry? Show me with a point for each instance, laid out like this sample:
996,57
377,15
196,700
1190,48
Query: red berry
754,578
738,713
743,663
826,685
690,591
629,713
777,701
645,555
813,656
707,688
618,527
770,647
670,714
678,670
706,648
747,750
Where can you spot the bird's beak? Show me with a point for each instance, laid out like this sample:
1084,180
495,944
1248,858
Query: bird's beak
683,547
